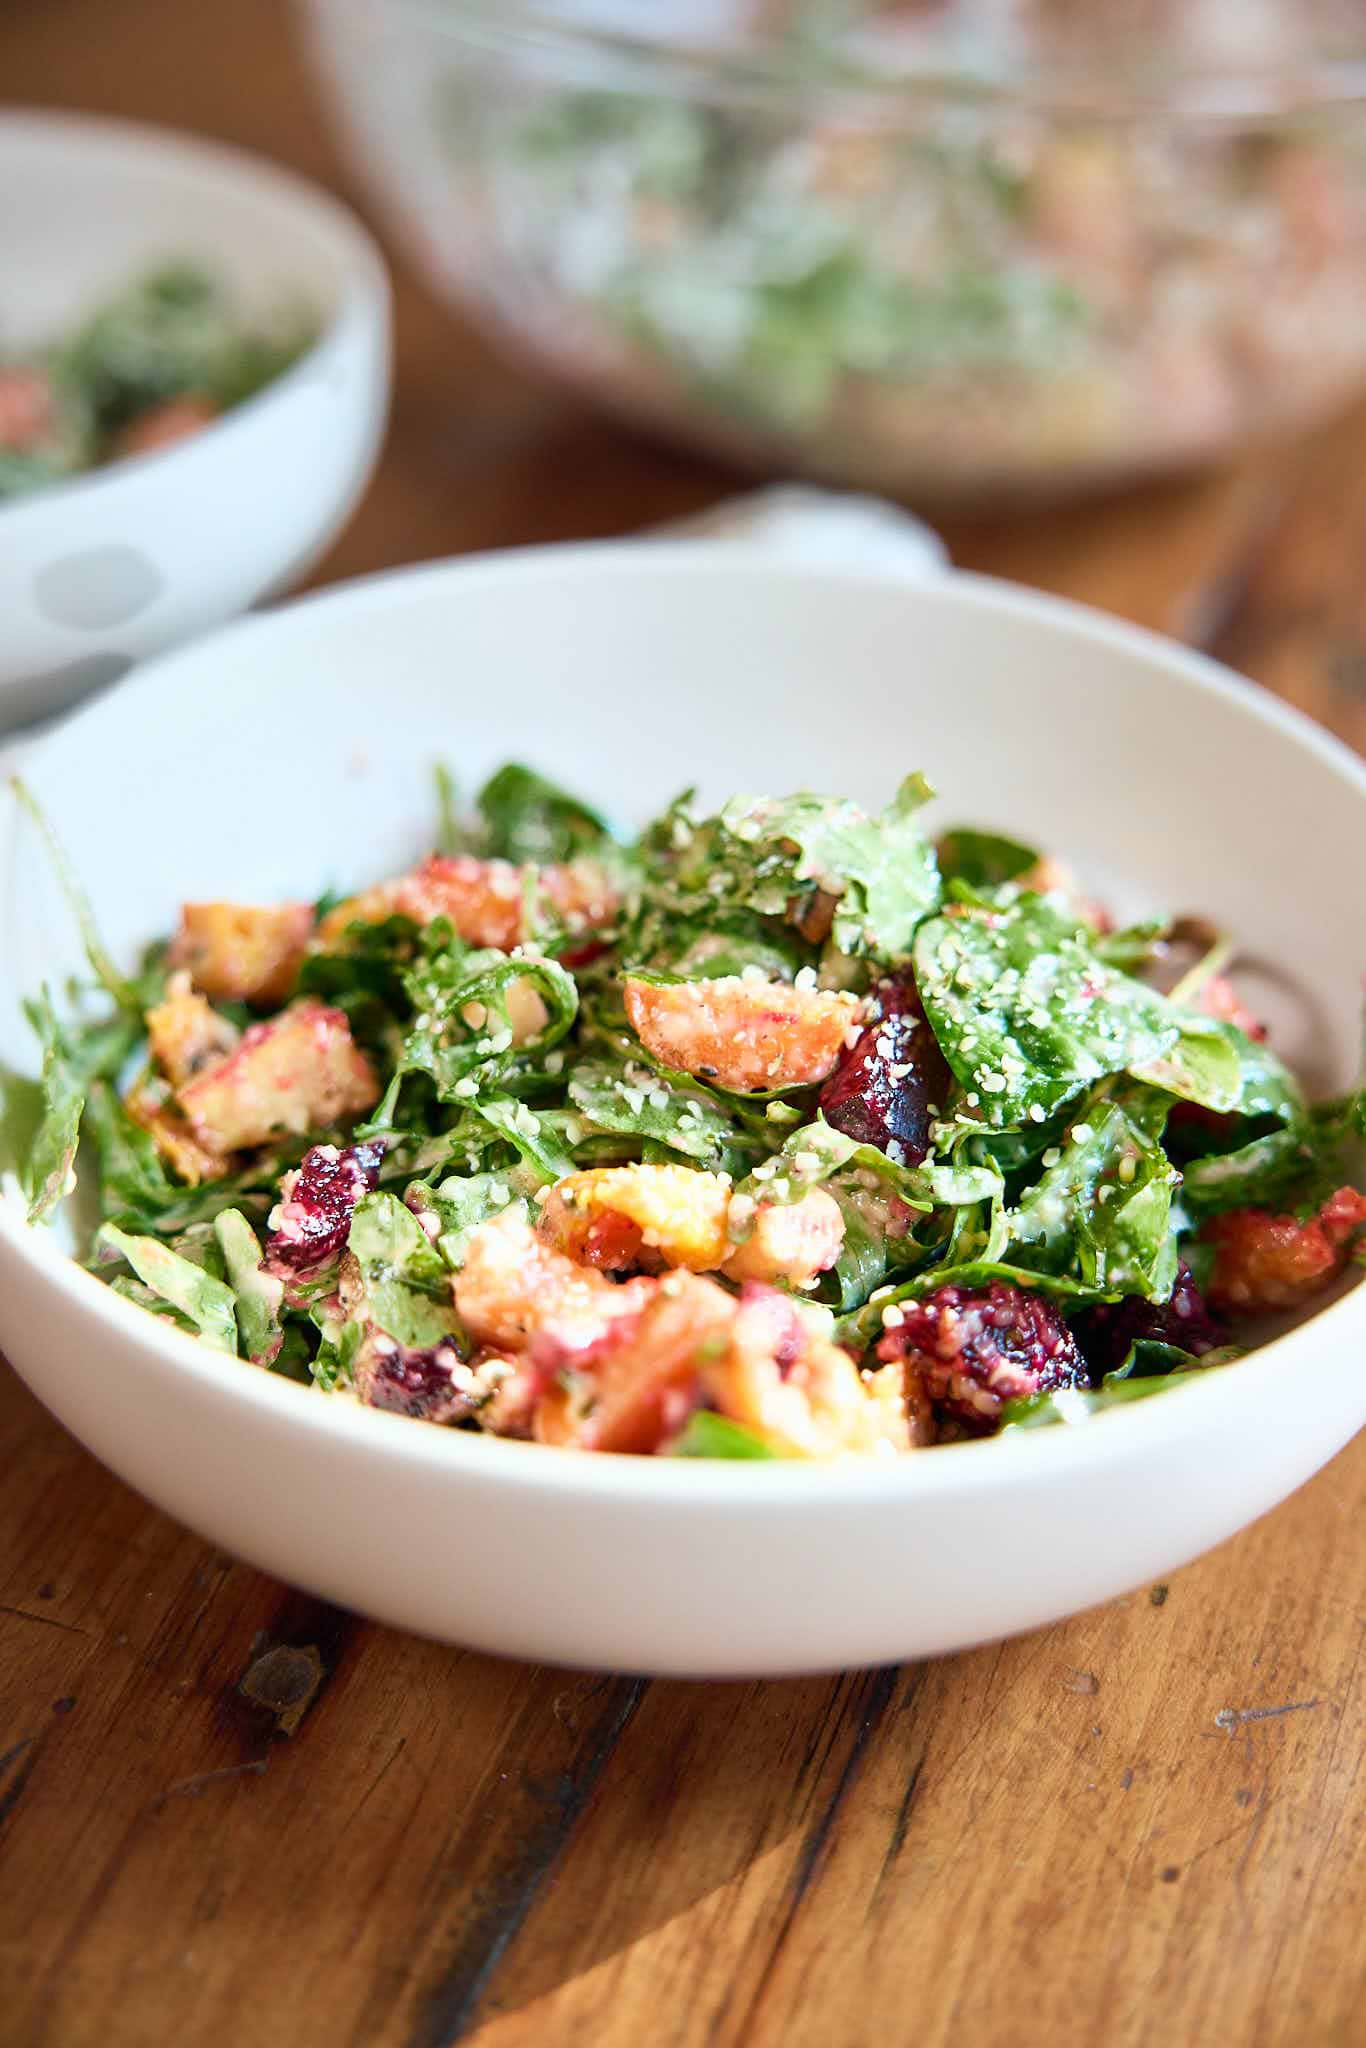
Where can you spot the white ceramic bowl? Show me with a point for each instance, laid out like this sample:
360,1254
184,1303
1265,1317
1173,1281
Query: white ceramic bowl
97,572
629,671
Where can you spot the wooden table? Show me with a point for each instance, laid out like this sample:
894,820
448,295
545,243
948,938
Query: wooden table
1146,1825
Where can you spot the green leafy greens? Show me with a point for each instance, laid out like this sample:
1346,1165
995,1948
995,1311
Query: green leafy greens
1027,1013
1088,1124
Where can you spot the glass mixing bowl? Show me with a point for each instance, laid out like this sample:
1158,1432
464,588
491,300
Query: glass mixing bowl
958,250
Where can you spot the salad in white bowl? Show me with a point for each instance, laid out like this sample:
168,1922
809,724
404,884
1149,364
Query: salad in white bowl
780,1131
445,1157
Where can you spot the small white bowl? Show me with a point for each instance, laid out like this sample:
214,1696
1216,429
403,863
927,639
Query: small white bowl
294,751
99,571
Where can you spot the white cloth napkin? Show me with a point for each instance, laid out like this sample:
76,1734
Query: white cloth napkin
795,521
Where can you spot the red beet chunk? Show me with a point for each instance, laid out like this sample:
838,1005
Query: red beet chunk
1108,1331
421,1384
882,1089
970,1350
318,1200
583,954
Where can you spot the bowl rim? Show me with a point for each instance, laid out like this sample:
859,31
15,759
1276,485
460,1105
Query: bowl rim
1042,1455
364,298
759,71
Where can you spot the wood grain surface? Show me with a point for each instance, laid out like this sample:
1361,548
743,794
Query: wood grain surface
229,1813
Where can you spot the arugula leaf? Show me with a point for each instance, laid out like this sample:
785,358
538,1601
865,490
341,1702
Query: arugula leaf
1301,1163
882,1203
187,1287
1203,1066
124,992
864,1259
50,1169
21,1113
1103,1210
816,1152
729,941
134,1185
1149,1358
879,1236
803,862
861,1327
535,1137
294,1359
985,860
147,1299
676,1112
43,1119
708,1435
879,1200
461,1203
881,869
450,837
1239,1162
1132,944
407,1291
1079,1404
368,965
256,1294
1026,1014
333,1361
1248,1177
1266,1087
137,1193
527,818
462,1035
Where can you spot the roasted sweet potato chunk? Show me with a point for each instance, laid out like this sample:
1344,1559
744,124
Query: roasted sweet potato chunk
186,1034
488,902
1265,1261
192,1161
637,1388
297,1073
242,952
621,1218
791,1242
780,1374
512,1288
740,1033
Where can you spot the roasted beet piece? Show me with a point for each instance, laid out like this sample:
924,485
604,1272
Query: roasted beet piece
316,1205
431,1385
973,1349
1107,1332
583,954
882,1089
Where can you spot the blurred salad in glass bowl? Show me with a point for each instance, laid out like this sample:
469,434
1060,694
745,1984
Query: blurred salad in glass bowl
951,249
